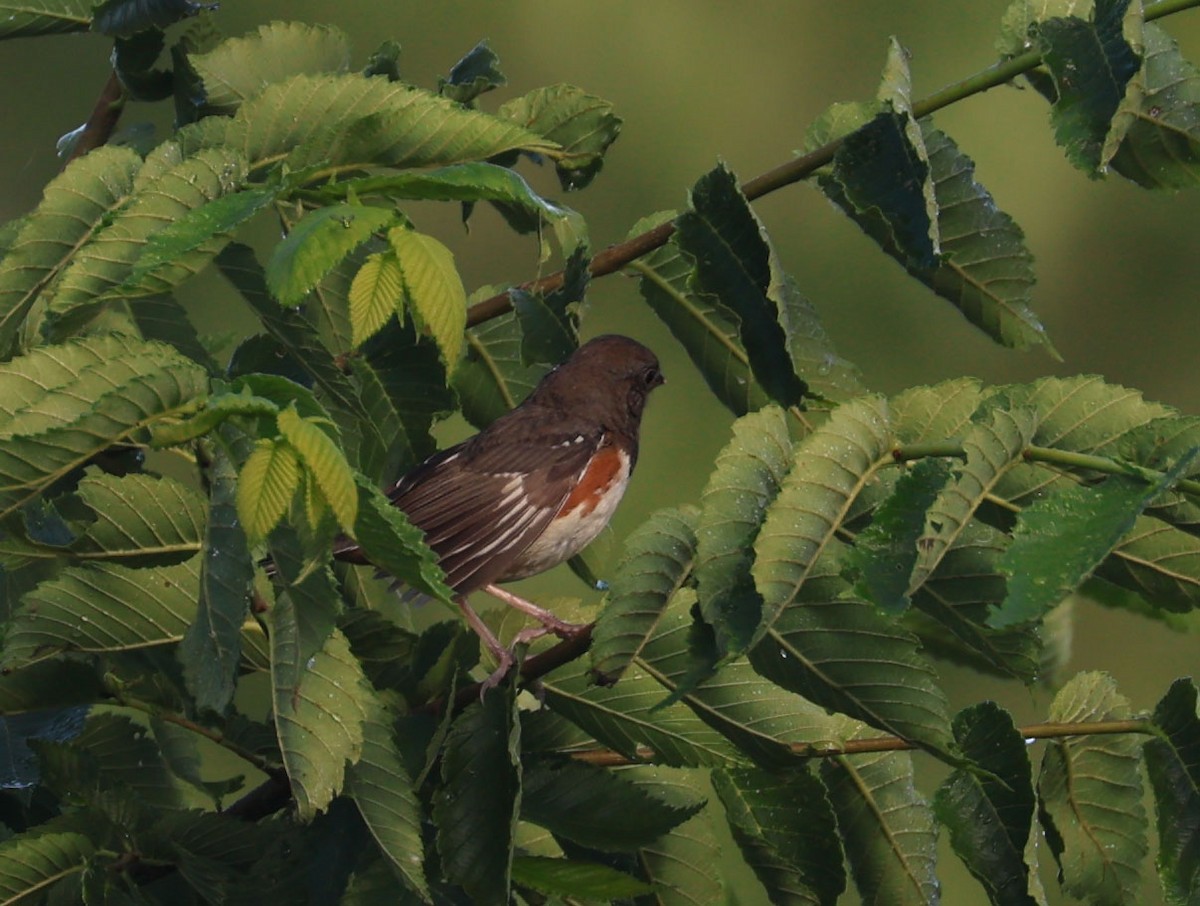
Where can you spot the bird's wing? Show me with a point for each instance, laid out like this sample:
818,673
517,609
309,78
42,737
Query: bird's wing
481,504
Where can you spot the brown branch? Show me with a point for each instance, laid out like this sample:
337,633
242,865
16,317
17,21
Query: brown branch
103,120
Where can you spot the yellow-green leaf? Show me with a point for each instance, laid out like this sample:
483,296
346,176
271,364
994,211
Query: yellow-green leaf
376,293
325,461
434,289
266,486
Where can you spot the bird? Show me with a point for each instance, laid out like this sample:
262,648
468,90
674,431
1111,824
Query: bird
535,486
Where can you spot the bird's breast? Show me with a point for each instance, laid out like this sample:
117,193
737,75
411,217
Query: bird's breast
582,516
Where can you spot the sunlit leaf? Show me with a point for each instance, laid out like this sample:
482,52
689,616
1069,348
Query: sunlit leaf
325,462
376,294
266,485
433,288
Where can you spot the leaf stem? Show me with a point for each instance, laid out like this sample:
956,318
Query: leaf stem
799,168
644,754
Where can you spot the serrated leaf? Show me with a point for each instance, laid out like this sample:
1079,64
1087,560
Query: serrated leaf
383,791
1159,444
492,378
319,717
167,188
925,414
123,18
266,486
1173,765
44,17
125,757
376,294
1090,62
749,472
392,543
1160,138
325,462
317,243
658,558
141,520
582,124
568,878
989,811
1090,794
1021,15
211,649
476,809
239,68
350,121
785,827
1062,538
433,288
104,607
74,205
685,864
727,243
887,828
592,806
32,861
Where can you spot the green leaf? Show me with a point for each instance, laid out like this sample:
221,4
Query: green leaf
476,809
658,558
592,806
1173,765
350,121
44,17
33,861
104,607
433,288
325,462
568,878
887,828
376,295
684,864
319,717
1022,15
1160,444
140,520
392,543
75,204
164,319
317,243
1090,62
125,18
1090,790
125,757
492,378
49,684
1159,122
211,649
239,68
748,475
733,261
167,188
383,791
266,486
582,124
989,810
1062,538
785,828
477,72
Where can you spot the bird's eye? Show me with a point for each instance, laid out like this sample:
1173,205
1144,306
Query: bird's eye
650,377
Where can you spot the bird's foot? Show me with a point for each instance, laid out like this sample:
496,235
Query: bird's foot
550,623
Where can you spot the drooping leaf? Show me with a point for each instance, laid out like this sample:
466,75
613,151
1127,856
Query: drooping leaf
1062,538
211,649
74,204
433,288
886,827
989,811
318,242
592,806
1090,794
476,809
325,462
383,791
582,124
1090,62
748,474
658,558
785,827
239,68
268,482
376,295
1173,765
726,241
104,607
1159,118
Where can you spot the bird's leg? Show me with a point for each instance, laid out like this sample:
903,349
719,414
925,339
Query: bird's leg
504,657
549,621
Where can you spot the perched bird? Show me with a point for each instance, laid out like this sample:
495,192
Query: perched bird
534,487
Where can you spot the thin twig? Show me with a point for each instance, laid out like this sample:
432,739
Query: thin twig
102,122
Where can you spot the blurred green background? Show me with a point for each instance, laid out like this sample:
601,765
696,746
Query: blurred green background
1118,267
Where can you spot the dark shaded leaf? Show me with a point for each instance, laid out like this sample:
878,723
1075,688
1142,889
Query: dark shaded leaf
1173,765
